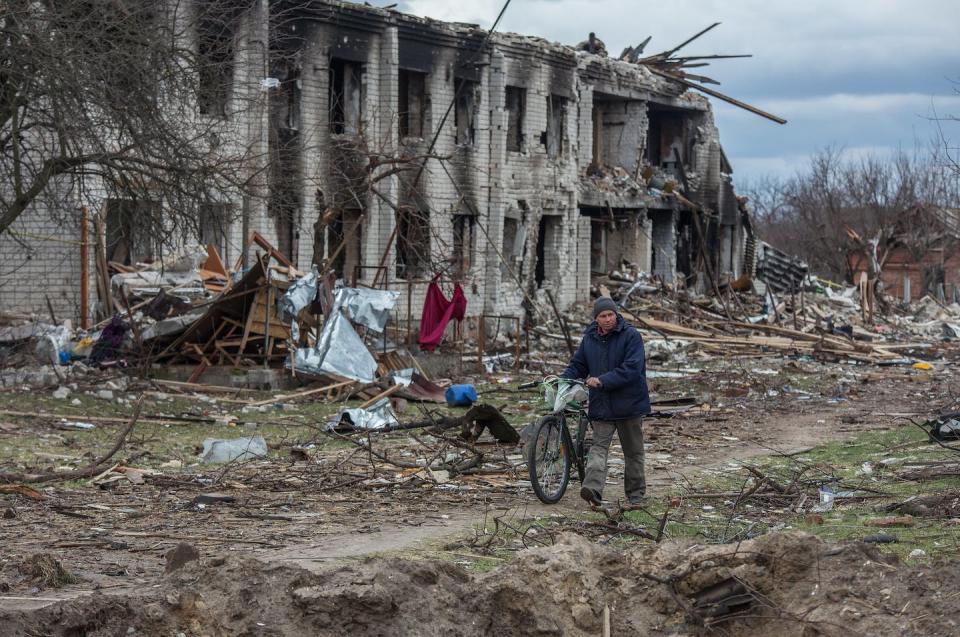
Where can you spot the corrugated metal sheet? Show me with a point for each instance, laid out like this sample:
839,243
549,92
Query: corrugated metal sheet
779,270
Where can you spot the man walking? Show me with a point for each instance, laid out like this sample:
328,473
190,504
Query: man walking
611,358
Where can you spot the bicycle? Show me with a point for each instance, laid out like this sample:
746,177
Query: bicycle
552,451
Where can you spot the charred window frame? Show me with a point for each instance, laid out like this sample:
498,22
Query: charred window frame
214,222
667,136
413,242
411,103
216,32
516,106
511,230
286,100
598,246
346,96
465,113
345,228
130,235
556,125
464,232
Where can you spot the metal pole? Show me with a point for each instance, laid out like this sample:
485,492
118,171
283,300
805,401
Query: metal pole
409,309
84,271
480,336
560,321
516,356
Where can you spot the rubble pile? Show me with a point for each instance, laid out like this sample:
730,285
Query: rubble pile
818,319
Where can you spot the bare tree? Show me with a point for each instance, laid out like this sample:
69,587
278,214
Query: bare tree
134,92
841,205
946,151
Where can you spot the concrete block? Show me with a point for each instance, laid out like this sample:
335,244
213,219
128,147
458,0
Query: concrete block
263,379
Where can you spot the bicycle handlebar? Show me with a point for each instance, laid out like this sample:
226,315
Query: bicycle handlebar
535,383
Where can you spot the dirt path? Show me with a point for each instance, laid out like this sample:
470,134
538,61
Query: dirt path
761,435
118,544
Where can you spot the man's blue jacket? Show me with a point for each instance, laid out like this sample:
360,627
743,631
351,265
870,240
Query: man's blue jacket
617,359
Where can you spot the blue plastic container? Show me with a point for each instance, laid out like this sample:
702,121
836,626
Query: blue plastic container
461,395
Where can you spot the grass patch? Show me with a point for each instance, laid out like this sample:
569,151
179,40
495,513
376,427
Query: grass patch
866,473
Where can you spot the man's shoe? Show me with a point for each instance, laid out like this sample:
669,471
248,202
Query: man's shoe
636,503
591,496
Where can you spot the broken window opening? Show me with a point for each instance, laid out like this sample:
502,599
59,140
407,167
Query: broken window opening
598,246
597,159
214,225
465,114
346,96
463,243
215,49
556,125
548,256
618,132
508,247
516,105
412,103
287,99
345,228
667,138
413,243
130,237
934,280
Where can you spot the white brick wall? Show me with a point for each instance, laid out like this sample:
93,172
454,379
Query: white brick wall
40,259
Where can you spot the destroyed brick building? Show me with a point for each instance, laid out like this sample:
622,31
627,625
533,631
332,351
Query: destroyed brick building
510,164
920,256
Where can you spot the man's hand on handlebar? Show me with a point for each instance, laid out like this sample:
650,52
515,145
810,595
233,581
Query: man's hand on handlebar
594,383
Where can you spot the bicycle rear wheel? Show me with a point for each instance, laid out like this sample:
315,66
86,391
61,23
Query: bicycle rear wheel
548,459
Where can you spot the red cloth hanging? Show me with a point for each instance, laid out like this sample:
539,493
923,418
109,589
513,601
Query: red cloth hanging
438,311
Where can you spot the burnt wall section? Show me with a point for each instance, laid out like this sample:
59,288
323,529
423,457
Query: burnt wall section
619,132
400,148
523,127
520,124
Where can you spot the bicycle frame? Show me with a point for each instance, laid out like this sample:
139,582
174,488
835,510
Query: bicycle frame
565,399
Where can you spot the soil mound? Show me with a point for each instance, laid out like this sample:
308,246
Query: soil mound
777,584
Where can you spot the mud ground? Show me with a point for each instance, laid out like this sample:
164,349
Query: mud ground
325,548
794,584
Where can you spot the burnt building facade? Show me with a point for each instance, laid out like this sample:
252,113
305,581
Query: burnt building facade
399,149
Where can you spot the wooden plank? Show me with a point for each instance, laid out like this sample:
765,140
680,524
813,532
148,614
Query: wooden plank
179,384
667,327
214,263
302,394
249,323
195,376
216,333
258,317
225,355
381,395
273,252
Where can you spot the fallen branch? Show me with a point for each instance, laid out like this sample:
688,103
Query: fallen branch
88,471
192,538
21,489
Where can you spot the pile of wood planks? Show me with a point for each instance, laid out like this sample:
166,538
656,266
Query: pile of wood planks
730,337
240,327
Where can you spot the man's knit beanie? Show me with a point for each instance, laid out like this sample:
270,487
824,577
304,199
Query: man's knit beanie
603,304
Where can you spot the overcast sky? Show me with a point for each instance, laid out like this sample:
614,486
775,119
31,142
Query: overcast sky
863,75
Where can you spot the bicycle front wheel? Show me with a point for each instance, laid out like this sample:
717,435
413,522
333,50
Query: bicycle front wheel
548,459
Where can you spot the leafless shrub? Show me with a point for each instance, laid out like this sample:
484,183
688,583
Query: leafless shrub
809,215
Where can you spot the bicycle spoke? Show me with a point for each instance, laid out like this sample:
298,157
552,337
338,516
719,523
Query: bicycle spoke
550,464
